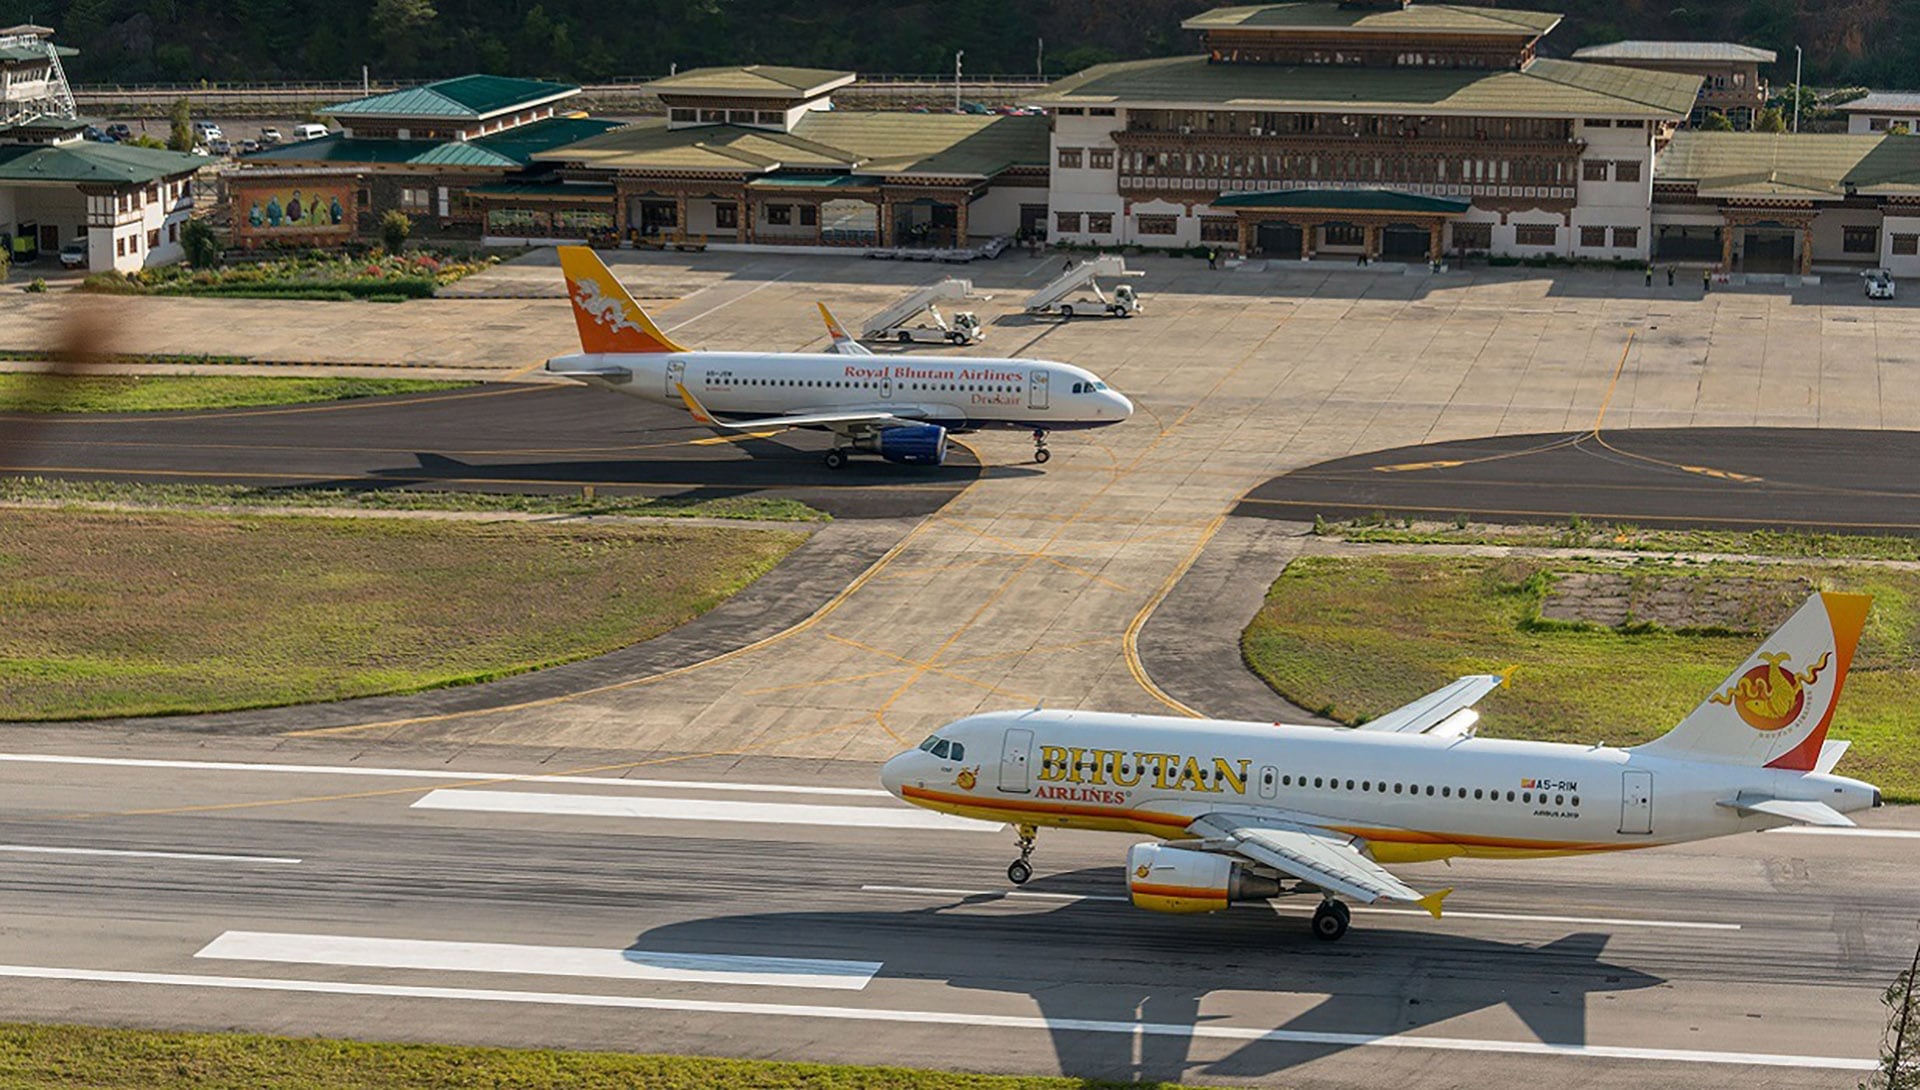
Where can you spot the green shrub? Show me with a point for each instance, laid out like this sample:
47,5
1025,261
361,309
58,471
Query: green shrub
38,284
111,282
199,242
394,229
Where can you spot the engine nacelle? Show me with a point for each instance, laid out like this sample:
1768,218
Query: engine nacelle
1169,879
913,444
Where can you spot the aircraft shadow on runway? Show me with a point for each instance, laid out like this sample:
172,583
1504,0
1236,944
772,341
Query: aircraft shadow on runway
1088,961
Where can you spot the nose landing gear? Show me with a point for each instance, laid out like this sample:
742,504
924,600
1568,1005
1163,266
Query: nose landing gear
1040,451
1330,920
1020,870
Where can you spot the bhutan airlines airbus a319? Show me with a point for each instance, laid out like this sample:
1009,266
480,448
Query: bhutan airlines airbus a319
1251,811
898,407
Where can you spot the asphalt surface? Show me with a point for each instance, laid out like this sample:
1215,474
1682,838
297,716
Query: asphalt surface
1728,964
497,437
1857,481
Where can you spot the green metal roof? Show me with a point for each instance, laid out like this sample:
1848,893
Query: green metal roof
814,181
1349,200
1678,52
1800,166
33,53
511,149
46,123
753,81
873,142
544,187
462,97
1411,19
1544,88
83,161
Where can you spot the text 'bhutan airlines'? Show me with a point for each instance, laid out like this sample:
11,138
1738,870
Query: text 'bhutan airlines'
900,408
1259,810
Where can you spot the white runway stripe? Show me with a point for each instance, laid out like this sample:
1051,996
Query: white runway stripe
676,809
1203,1030
129,853
438,774
1420,913
507,957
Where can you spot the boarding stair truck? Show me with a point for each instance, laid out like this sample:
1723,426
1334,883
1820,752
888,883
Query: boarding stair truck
916,320
1062,294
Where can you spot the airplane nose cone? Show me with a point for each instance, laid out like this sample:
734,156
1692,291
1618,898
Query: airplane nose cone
894,773
1124,403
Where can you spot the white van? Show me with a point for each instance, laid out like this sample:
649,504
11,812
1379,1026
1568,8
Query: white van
309,132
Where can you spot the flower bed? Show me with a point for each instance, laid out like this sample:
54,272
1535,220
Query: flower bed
315,275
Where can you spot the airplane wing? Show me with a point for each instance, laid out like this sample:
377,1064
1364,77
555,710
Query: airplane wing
1794,810
1439,711
842,343
1329,860
854,420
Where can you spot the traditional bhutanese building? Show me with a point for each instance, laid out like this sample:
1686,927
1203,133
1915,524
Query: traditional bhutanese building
1730,80
1397,130
758,155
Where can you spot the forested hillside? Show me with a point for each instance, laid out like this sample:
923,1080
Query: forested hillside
1874,42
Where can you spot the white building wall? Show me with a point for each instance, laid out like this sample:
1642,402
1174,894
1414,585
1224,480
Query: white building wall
1829,234
1086,188
1873,124
1899,264
128,231
997,212
1614,203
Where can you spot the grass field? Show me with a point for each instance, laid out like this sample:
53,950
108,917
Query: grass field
1582,534
64,1057
1354,638
142,614
38,393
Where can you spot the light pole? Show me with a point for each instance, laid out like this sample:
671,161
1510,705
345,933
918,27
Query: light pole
1796,88
957,54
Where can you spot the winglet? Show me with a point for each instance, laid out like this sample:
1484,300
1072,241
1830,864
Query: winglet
699,411
834,329
1506,676
1431,902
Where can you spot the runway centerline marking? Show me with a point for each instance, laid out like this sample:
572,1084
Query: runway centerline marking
1683,925
443,774
1201,1030
676,809
133,853
510,957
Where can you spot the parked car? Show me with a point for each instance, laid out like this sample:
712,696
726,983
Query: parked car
1879,284
219,146
270,136
119,131
73,255
309,132
248,147
207,131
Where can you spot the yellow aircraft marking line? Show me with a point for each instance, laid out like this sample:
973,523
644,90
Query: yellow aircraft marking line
1051,649
1600,421
1130,641
1085,506
1038,554
741,438
483,782
915,570
841,680
1640,517
291,410
930,667
812,619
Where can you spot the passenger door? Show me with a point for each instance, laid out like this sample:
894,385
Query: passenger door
1015,752
676,374
1037,388
1269,782
1636,803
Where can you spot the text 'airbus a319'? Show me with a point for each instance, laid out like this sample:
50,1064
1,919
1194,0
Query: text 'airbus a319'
1251,811
900,408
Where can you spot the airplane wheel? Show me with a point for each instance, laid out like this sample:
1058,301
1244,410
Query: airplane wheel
904,337
1042,455
1019,871
1066,312
836,459
1330,921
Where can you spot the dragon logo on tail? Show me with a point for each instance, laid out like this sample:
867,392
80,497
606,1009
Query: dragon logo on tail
1770,696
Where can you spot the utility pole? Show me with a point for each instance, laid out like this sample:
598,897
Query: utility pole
957,54
1040,57
1796,88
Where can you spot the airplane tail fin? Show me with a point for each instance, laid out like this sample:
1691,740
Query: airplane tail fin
1774,709
843,343
609,319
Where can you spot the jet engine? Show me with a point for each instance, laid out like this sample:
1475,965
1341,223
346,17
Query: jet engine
1162,878
913,444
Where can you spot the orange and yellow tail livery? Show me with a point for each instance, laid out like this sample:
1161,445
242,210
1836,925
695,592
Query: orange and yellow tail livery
609,320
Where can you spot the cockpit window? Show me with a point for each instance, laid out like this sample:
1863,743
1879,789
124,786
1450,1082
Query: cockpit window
1099,385
959,752
940,748
932,740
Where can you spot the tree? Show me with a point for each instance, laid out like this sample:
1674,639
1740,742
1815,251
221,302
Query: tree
1769,120
202,248
394,229
180,137
1900,1050
1716,122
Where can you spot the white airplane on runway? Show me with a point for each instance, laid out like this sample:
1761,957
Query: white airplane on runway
1254,811
898,407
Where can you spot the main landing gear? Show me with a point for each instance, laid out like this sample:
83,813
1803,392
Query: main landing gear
1330,920
836,459
1040,451
1020,870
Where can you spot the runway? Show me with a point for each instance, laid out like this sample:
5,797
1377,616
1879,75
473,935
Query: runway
1829,479
783,908
495,437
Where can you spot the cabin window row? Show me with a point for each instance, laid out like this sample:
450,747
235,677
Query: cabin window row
845,384
1445,792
